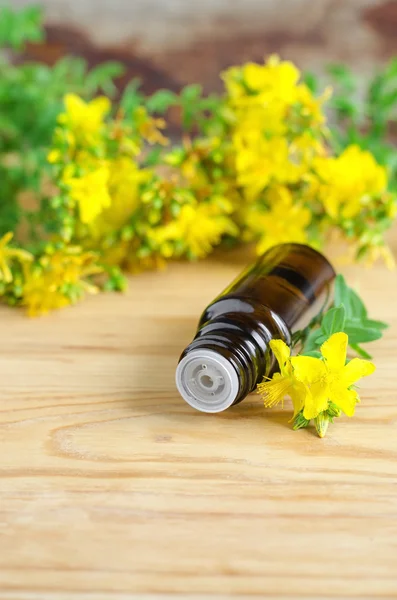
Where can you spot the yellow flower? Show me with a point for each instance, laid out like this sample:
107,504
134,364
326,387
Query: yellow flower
311,107
123,183
278,76
197,229
260,161
8,255
90,191
285,221
312,382
58,280
284,383
54,156
269,98
277,125
84,119
274,80
345,183
330,379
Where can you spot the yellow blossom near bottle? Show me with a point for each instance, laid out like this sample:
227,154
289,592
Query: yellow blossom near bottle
284,383
332,378
313,383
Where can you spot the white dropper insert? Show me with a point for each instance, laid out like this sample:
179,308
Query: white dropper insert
207,381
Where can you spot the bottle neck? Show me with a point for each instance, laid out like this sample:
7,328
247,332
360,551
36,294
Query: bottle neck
228,357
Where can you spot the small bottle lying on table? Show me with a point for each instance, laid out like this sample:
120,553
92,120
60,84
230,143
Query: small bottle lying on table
272,298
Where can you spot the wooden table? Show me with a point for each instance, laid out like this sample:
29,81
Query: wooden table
113,488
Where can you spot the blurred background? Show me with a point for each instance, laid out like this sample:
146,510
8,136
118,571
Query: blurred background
168,43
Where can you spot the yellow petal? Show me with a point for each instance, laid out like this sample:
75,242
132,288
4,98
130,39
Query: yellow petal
5,273
316,400
100,105
356,369
73,103
7,237
308,368
334,351
21,255
298,393
345,399
54,156
281,351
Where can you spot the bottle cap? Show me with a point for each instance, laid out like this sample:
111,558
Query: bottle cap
207,381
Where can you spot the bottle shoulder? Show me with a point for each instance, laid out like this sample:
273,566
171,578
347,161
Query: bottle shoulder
250,308
231,303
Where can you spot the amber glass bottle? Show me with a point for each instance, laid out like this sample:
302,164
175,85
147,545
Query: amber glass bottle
272,298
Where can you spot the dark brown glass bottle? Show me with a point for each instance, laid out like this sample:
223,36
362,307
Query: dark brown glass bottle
271,299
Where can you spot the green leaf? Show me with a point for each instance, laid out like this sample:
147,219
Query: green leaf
312,353
17,27
333,320
341,291
360,351
321,339
389,100
191,92
356,305
373,324
190,101
345,106
358,334
132,97
311,80
311,341
153,157
102,77
161,100
343,77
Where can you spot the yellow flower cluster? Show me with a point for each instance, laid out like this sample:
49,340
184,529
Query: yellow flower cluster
283,221
197,228
290,185
345,184
316,383
258,169
58,279
94,177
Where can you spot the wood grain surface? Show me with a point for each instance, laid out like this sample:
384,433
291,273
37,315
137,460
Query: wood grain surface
113,488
